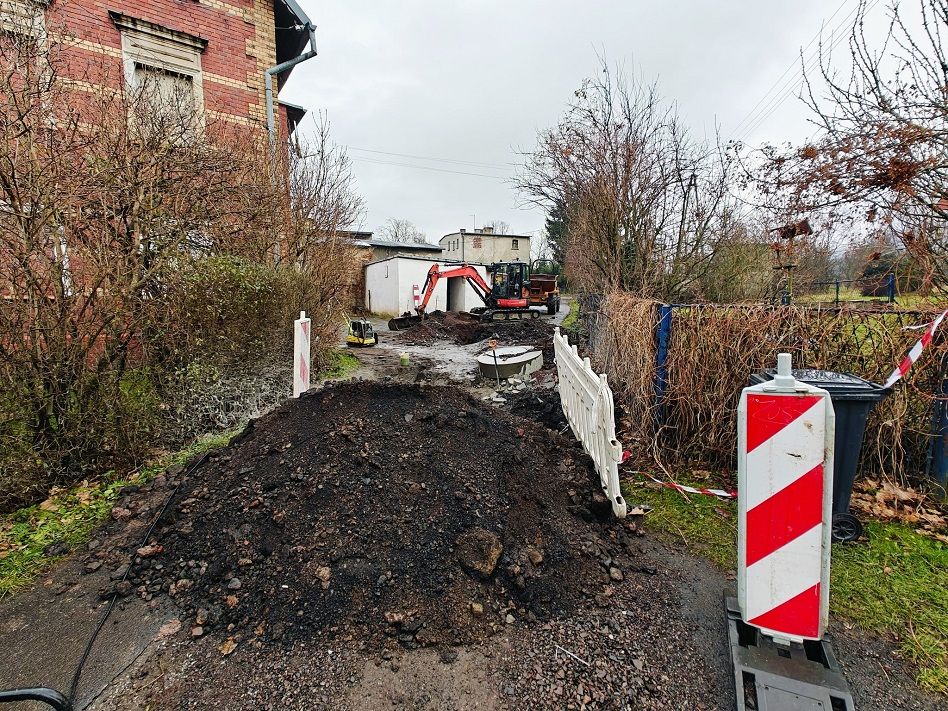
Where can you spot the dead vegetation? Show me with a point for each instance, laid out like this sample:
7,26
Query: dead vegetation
714,349
143,250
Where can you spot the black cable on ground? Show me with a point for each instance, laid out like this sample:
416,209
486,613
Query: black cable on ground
74,687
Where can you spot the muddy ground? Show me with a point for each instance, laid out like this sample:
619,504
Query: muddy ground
446,345
463,329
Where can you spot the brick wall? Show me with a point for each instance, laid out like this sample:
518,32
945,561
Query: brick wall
240,45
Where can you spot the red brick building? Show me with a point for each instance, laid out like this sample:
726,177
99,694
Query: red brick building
217,50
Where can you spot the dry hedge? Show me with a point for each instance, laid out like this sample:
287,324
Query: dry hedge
714,348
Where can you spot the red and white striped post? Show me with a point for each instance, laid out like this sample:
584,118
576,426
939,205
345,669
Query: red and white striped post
416,294
301,355
785,488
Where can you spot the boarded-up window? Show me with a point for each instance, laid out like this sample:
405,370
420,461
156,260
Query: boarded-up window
167,94
515,244
163,69
478,242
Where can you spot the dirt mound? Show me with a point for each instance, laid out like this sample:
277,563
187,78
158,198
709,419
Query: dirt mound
382,513
542,406
464,329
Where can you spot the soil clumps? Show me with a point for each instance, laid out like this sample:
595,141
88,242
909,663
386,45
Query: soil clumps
385,513
465,329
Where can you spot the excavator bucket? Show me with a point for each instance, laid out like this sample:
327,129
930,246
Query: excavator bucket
403,322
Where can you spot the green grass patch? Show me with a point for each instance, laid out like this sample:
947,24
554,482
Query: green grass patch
897,583
892,582
704,523
34,538
341,363
571,319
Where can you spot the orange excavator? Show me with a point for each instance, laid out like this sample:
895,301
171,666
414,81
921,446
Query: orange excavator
504,298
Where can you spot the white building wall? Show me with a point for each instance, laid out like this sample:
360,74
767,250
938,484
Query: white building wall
381,287
412,272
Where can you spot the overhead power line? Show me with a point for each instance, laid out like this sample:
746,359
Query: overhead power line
797,82
786,71
378,161
476,164
794,82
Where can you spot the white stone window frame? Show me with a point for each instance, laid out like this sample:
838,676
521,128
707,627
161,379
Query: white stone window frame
160,48
61,253
24,17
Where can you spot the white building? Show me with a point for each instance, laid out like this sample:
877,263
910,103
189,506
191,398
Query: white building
485,246
390,286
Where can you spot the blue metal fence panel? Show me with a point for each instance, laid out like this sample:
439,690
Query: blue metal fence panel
662,340
939,442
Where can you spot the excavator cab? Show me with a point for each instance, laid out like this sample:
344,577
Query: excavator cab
508,281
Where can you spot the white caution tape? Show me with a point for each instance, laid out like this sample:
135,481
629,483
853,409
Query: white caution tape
914,353
720,493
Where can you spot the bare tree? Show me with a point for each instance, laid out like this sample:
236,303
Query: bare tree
644,203
402,230
113,204
320,196
499,227
881,154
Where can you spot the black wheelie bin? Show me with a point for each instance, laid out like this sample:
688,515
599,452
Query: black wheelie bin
853,399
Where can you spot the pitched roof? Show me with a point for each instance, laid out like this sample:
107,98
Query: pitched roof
388,244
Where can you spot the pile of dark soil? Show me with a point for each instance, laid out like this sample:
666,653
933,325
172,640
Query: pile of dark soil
380,513
543,406
463,329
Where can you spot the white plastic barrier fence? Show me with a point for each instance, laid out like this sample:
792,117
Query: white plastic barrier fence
587,403
300,355
785,433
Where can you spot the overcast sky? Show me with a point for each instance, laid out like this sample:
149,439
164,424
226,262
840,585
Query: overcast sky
447,94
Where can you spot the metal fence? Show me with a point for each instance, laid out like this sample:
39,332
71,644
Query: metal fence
882,289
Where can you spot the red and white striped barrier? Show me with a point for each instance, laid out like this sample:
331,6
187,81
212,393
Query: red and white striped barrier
915,352
301,355
720,493
416,294
785,469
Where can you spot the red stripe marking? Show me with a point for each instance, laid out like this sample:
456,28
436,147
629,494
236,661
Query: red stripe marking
927,337
800,615
787,514
768,414
905,366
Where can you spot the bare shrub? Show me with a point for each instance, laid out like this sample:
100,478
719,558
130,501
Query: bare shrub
715,348
140,242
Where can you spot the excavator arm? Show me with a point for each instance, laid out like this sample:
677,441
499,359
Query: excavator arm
507,299
435,274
